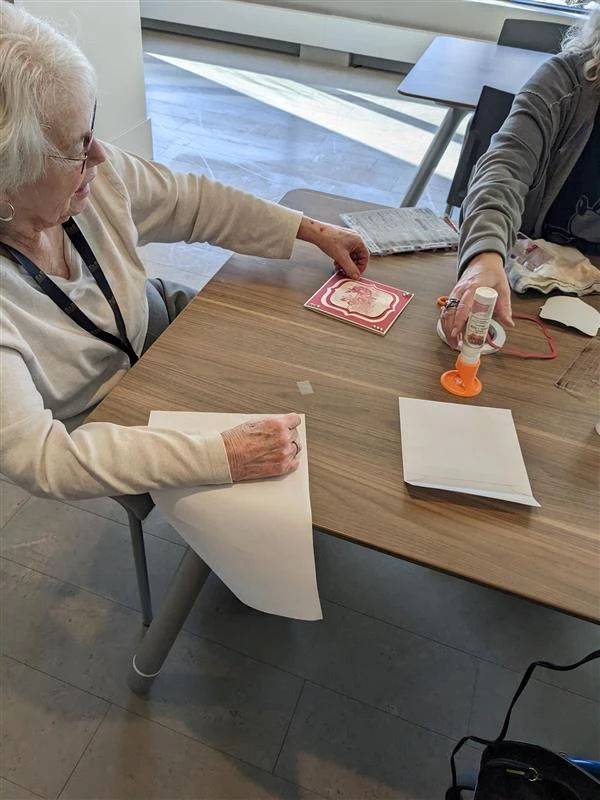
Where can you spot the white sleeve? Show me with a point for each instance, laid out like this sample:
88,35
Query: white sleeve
168,206
97,459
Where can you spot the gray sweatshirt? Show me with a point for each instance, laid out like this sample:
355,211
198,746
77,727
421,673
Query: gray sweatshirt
516,181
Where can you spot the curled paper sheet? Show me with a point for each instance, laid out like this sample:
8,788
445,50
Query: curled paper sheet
255,535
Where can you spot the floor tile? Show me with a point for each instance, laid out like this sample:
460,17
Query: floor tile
10,791
490,624
211,693
344,749
544,714
156,524
367,659
194,269
238,127
233,703
45,726
12,498
133,759
72,635
87,550
103,507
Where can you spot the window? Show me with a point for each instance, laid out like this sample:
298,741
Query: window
565,5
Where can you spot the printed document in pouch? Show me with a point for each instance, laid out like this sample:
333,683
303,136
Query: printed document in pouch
255,535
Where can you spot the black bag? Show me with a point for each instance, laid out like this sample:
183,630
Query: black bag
521,771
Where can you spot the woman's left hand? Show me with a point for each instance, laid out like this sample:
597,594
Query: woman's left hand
345,247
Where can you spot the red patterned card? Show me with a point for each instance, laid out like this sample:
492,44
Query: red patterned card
366,303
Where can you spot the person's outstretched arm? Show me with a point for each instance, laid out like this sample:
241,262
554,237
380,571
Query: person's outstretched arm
492,211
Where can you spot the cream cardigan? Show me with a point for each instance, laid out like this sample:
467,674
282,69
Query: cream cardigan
53,371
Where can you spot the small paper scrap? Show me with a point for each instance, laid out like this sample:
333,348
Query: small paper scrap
573,312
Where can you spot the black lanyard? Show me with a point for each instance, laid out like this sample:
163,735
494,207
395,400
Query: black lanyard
64,302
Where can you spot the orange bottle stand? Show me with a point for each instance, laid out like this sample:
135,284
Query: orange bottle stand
463,380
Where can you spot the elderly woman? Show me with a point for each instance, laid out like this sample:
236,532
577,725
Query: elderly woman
540,175
75,310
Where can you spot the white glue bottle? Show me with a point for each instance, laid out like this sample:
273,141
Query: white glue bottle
479,323
463,380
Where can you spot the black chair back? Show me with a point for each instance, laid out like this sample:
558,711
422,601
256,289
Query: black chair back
532,34
492,109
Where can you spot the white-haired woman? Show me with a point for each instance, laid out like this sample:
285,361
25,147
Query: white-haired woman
75,311
540,175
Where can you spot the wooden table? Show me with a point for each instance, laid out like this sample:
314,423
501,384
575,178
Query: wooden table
453,71
246,341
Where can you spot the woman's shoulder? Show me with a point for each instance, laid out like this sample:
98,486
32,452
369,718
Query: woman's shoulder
559,77
113,171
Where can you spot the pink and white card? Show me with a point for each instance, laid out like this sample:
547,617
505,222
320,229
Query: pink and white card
366,303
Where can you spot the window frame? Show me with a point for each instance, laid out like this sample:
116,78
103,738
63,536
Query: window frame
550,5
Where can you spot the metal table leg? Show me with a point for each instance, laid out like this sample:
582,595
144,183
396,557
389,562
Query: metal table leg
183,590
435,151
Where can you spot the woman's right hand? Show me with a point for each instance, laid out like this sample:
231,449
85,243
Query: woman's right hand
263,448
486,269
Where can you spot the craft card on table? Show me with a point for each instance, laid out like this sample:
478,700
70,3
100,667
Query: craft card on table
366,303
460,448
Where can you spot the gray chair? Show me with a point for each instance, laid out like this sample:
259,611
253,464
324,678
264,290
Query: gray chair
493,108
532,34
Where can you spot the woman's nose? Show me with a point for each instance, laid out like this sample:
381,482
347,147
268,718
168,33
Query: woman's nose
96,154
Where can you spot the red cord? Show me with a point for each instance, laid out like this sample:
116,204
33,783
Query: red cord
545,331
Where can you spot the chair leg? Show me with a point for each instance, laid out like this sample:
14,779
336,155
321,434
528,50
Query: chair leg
181,595
141,566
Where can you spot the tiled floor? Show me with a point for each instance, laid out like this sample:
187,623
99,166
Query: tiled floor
269,123
367,703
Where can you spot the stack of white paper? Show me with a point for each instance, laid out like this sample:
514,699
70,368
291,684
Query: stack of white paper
255,535
471,449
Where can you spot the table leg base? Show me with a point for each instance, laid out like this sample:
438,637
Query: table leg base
156,644
137,681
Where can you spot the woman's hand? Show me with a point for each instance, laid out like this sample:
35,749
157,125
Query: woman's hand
486,269
345,247
263,448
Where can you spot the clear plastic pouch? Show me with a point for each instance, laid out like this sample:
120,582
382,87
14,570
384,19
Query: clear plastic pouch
529,254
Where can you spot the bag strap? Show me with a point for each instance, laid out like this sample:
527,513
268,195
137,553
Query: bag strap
524,681
64,302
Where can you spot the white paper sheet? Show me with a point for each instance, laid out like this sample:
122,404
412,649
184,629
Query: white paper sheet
573,312
257,535
471,449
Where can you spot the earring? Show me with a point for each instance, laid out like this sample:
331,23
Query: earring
11,213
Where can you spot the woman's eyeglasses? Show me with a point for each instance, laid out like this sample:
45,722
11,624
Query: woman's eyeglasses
87,146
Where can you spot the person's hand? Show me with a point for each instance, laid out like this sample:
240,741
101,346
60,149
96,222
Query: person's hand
345,247
263,448
486,269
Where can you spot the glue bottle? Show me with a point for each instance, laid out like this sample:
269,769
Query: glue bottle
478,325
463,380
